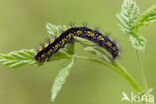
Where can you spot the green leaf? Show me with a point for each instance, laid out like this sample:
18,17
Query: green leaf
53,30
57,56
69,48
94,49
127,20
138,42
61,78
130,21
17,58
128,16
146,17
98,51
84,42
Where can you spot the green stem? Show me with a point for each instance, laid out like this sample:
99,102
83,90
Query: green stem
141,70
127,76
98,61
118,69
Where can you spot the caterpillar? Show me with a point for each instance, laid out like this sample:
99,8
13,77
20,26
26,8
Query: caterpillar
67,36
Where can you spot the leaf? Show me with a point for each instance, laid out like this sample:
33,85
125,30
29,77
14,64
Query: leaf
98,51
69,49
84,42
138,42
57,56
147,17
61,78
53,30
128,16
127,20
17,58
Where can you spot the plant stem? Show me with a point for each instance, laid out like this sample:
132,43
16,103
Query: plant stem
118,69
141,70
127,76
98,61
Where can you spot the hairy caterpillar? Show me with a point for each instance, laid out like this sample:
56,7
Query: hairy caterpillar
68,35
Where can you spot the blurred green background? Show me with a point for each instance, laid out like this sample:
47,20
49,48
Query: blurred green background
22,26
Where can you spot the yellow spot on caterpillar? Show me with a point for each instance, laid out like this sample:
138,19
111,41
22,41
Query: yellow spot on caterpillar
108,43
40,49
58,35
43,55
79,32
46,45
88,32
70,35
57,45
63,40
100,37
52,40
92,34
49,52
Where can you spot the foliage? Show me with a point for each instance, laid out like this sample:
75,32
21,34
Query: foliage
130,20
69,54
61,77
17,58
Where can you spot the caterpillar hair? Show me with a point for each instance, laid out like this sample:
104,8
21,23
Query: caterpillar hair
68,35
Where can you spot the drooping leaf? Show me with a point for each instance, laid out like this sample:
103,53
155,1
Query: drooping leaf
61,78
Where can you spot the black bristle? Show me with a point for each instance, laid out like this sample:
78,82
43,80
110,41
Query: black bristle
67,36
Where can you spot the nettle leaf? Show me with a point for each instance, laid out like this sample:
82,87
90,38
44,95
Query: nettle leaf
61,78
84,42
138,42
58,56
22,57
128,16
98,51
127,21
53,30
69,49
17,58
147,17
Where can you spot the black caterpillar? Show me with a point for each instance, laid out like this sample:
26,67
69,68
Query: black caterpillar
68,35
